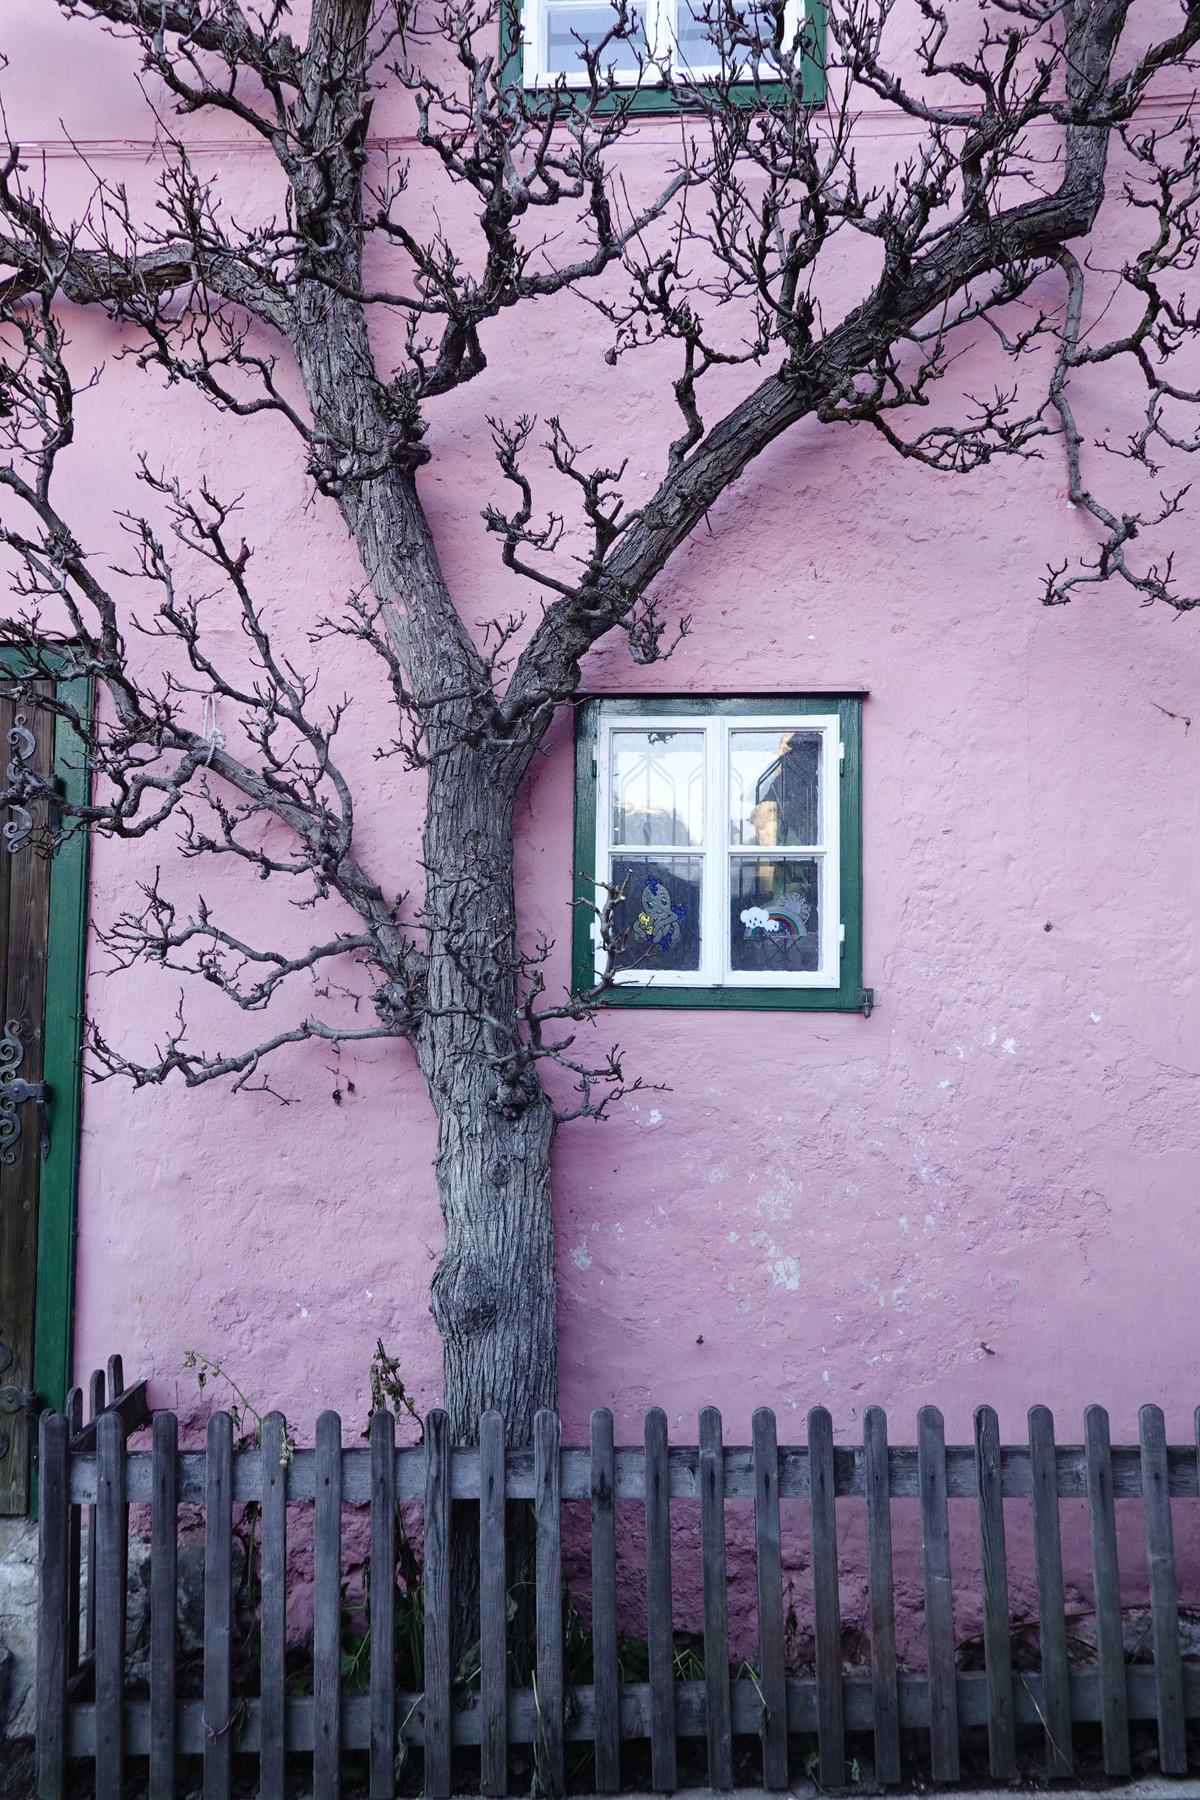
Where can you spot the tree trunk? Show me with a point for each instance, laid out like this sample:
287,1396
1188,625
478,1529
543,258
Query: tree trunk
494,1293
495,1289
494,1299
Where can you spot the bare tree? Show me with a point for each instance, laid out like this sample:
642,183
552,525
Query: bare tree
979,232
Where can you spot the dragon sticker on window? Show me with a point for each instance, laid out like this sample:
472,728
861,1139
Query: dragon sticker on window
659,920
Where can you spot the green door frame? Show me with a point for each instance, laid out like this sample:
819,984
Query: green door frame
54,1303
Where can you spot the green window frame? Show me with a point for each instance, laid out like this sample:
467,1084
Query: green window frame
657,99
54,1300
849,995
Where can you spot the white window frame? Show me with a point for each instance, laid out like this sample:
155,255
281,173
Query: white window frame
659,17
717,852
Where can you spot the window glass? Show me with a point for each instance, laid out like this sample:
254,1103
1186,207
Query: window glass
774,788
694,46
774,906
659,918
568,24
658,787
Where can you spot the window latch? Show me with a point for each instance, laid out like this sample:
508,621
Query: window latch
866,1000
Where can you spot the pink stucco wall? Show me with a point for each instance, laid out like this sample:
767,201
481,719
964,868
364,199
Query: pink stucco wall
986,1191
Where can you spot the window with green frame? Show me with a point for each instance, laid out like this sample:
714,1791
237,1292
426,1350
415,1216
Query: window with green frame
731,829
540,48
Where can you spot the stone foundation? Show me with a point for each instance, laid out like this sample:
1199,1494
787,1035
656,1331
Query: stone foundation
18,1624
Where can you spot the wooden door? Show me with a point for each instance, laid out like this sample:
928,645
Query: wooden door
26,735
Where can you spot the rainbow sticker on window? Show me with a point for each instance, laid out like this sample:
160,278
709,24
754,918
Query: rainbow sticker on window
782,919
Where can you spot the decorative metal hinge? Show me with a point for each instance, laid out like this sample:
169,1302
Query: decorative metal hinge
14,1092
22,741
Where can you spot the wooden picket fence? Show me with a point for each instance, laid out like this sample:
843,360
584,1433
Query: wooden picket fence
768,1703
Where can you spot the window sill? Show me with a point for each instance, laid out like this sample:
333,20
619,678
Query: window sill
733,999
651,102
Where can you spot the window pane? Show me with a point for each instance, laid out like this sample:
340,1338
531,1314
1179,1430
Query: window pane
567,25
774,915
660,914
709,35
774,787
657,787
697,38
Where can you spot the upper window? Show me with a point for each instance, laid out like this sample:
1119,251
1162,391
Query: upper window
668,39
730,830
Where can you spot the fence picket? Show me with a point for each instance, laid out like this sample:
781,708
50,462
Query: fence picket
885,1695
997,1650
54,1606
74,1414
164,1514
110,1607
660,1630
273,1610
95,1408
604,1606
769,1571
1052,1624
716,1603
383,1605
939,1604
493,1609
1110,1642
327,1610
1164,1599
547,1488
437,1604
827,1618
218,1606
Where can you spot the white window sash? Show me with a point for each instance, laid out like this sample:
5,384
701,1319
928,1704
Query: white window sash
717,853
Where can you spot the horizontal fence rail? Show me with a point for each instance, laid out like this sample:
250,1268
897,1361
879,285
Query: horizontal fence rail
84,1708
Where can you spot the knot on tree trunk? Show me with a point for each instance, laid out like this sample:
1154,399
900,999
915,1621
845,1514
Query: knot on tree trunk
516,1091
466,1296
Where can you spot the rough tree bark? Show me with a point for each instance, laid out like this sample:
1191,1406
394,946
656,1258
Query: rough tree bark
494,1293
